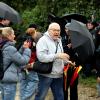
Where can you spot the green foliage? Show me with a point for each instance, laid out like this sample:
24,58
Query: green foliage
21,5
34,16
89,81
36,11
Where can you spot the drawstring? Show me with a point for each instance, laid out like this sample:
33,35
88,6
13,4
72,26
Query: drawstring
60,47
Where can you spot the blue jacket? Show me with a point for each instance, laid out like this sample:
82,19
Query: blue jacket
19,58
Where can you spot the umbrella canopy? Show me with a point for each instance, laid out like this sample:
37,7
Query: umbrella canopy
81,40
9,13
75,16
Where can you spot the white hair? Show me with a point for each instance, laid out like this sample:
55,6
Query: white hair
52,25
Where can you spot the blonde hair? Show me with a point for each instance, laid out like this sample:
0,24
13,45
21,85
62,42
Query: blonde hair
6,31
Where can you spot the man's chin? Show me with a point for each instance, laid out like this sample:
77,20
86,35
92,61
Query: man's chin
55,38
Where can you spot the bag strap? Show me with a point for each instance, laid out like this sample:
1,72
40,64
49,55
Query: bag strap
56,47
2,44
8,65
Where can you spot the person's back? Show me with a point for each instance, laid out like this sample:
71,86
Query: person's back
67,46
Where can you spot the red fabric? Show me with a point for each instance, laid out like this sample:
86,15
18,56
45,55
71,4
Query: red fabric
66,67
75,75
33,57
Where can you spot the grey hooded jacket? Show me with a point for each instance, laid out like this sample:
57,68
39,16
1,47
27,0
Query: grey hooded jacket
19,58
46,48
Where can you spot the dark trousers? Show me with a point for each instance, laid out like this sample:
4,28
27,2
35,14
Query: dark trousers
98,67
73,88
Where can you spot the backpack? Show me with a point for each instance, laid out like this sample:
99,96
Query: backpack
2,71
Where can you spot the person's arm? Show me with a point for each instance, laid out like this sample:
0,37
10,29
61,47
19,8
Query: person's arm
17,57
44,56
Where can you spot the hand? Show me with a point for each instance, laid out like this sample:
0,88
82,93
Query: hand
29,65
69,45
71,63
26,44
63,56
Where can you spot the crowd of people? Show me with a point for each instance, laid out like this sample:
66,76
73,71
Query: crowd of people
94,29
35,46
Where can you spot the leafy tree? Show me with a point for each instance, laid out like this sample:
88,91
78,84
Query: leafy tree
36,11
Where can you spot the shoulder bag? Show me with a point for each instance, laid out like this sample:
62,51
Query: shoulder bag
43,68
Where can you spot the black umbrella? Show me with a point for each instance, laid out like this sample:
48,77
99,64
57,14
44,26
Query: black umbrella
75,16
9,13
81,40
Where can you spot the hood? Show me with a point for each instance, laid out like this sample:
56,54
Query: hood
47,34
9,43
2,42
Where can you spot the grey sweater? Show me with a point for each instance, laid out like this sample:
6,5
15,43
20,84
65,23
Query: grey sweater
46,48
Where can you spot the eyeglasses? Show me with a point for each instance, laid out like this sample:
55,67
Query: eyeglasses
55,30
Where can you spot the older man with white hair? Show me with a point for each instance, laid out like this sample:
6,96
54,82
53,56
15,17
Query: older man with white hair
46,48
